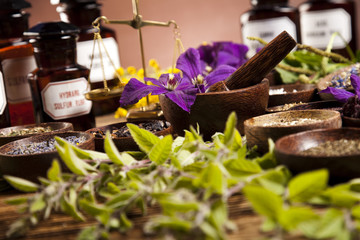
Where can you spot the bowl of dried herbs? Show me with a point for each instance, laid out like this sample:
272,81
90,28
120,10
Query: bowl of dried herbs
276,125
338,150
31,157
10,134
121,136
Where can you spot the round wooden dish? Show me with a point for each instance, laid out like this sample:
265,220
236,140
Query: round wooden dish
56,126
288,148
31,166
350,122
212,109
122,143
304,93
257,132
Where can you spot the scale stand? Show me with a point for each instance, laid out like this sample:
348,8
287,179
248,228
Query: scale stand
152,111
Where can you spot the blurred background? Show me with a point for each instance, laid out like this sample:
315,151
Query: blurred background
199,20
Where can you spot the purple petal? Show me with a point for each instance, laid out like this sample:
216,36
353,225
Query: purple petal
219,74
135,90
183,98
189,63
206,53
355,82
339,94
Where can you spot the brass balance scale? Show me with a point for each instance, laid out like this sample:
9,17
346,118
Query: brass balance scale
150,111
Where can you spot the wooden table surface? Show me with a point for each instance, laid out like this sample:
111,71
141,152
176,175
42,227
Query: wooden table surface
62,227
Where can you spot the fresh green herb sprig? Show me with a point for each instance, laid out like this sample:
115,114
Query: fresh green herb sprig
191,181
308,64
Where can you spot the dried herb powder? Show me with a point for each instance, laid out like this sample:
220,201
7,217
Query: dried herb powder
287,122
44,146
26,131
153,126
335,148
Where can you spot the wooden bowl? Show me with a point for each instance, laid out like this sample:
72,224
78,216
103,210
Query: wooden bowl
212,109
259,129
31,166
304,93
288,152
122,143
350,122
55,126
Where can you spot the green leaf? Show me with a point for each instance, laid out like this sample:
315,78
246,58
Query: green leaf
242,167
293,216
144,139
161,150
171,205
17,201
120,199
88,233
38,204
101,212
326,227
287,77
111,150
54,173
212,179
341,197
21,184
230,129
307,185
70,209
219,215
72,161
264,202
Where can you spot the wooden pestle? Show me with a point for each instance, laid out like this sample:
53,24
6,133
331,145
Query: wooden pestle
254,70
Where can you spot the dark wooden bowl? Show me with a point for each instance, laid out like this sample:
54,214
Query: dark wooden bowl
350,122
288,148
31,166
304,93
258,134
56,126
212,109
122,143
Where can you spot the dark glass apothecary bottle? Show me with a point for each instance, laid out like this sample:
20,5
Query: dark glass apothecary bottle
321,18
17,60
267,19
82,13
59,83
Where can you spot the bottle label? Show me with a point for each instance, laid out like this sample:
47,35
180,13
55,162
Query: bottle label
266,29
2,95
15,75
66,99
84,53
318,26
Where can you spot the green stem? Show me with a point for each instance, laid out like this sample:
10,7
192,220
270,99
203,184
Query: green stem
296,69
336,57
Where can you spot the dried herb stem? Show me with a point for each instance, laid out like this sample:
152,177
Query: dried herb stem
296,69
334,56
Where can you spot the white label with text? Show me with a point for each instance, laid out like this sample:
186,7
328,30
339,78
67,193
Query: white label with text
15,77
66,99
84,53
2,95
266,29
317,27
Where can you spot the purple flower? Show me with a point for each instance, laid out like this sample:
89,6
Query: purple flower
196,78
196,72
341,94
172,86
223,53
